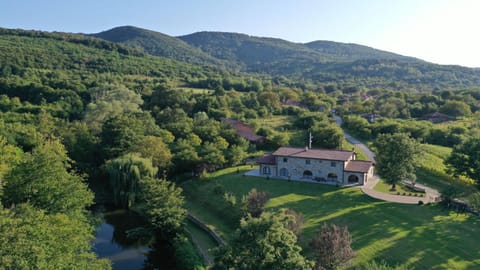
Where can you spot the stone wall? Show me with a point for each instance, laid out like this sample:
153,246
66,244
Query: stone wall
296,167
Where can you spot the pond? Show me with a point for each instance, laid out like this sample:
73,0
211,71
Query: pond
113,242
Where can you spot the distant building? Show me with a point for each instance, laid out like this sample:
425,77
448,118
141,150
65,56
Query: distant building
437,117
293,103
245,131
320,165
371,117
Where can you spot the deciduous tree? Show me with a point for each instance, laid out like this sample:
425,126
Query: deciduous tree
44,178
125,174
395,157
262,243
164,205
331,247
465,159
255,201
32,239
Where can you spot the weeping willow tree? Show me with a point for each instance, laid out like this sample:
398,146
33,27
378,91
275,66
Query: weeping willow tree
125,173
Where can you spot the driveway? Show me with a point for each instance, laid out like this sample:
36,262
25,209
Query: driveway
358,144
430,194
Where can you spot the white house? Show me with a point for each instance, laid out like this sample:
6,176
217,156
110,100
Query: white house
322,165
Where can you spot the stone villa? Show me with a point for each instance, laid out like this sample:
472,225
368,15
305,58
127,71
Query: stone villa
321,165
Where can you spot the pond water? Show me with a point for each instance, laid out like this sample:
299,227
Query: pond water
111,242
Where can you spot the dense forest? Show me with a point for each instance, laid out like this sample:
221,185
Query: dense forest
311,63
86,121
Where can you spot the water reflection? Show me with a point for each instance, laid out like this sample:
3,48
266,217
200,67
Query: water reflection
111,240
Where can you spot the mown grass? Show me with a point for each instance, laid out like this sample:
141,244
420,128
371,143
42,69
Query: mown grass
400,189
204,240
423,237
432,170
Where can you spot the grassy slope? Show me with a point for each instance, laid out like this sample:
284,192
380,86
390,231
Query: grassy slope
432,170
425,237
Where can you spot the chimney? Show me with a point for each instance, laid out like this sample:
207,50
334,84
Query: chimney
310,140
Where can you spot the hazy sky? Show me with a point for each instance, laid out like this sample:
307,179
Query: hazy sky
440,31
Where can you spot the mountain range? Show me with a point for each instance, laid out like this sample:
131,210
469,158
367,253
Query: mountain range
316,61
305,65
248,52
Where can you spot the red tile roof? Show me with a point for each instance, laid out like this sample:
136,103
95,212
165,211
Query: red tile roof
267,159
358,166
340,155
243,130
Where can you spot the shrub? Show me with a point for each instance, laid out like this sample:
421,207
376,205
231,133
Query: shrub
255,201
218,189
420,202
186,255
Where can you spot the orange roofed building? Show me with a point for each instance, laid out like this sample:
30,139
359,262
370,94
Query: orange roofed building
320,165
245,131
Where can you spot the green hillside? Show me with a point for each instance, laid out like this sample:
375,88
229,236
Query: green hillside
158,44
314,62
351,52
322,61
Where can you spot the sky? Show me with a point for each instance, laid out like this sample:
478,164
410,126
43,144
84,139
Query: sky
438,31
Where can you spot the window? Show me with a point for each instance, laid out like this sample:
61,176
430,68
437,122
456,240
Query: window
283,172
285,159
333,164
307,161
266,170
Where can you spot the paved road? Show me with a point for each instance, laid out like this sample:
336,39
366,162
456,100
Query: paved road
368,190
358,144
431,194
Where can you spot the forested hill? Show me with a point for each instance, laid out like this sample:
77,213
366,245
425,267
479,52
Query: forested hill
254,50
314,62
351,52
158,44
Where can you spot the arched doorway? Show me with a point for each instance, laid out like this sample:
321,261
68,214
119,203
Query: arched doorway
332,177
352,179
307,174
283,172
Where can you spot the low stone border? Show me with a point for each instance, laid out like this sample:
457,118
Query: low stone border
206,258
212,233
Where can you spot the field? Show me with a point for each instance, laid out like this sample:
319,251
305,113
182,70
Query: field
399,189
424,237
431,170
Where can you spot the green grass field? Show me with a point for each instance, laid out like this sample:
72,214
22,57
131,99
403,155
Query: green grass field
431,170
399,189
423,237
204,240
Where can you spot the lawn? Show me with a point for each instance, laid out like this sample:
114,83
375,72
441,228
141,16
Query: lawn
202,238
400,189
424,237
431,170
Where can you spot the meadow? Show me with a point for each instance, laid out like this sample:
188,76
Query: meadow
423,237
